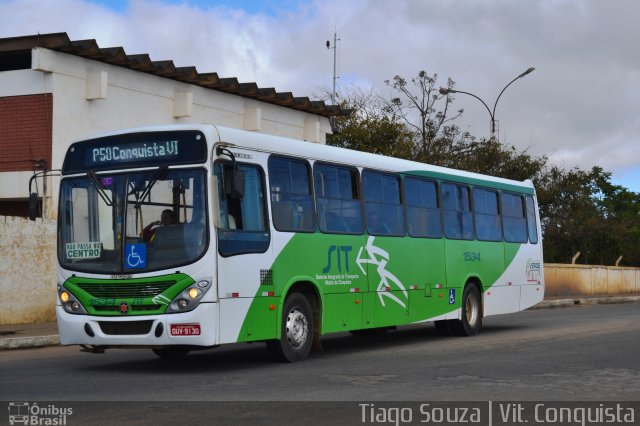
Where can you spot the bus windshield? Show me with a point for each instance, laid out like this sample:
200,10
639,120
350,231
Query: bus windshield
133,222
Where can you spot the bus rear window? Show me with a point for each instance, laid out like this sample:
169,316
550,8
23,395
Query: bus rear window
532,226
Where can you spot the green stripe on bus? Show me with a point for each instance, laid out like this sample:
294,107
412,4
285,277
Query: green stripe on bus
404,279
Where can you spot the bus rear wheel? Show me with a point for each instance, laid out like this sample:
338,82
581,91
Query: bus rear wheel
471,315
296,332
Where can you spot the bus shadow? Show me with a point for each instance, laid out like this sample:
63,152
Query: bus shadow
239,356
244,356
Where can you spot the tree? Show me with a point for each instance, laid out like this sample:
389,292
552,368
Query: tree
582,211
490,157
369,127
620,212
424,111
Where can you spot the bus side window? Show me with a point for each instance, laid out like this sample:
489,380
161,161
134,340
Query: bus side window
291,195
383,205
338,199
531,220
513,219
458,223
423,210
487,215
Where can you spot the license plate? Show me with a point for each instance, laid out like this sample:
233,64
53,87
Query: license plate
185,329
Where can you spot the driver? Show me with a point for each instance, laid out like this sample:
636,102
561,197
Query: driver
167,218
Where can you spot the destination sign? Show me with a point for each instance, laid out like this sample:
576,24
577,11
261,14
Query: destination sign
136,150
106,154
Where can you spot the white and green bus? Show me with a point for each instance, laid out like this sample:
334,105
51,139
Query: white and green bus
186,237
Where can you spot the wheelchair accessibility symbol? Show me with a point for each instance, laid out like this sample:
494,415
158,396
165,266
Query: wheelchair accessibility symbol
135,256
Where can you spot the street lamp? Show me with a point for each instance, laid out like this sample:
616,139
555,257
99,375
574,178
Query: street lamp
492,113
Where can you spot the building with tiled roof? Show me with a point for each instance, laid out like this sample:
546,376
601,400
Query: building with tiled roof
54,90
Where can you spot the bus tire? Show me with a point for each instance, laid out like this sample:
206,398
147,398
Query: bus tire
471,315
171,353
297,330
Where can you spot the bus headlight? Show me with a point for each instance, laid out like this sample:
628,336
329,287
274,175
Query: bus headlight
69,302
194,293
189,298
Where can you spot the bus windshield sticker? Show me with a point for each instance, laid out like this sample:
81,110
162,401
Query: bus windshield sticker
135,256
90,250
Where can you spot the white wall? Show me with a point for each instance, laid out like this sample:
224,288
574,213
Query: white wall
91,97
24,82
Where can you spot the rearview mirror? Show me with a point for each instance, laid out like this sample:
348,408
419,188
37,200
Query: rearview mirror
233,182
33,206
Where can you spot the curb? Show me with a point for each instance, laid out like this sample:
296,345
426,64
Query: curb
29,342
54,339
564,303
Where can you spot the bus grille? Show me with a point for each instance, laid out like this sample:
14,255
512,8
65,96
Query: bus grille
122,328
123,291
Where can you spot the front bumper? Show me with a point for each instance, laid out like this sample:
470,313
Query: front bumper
73,328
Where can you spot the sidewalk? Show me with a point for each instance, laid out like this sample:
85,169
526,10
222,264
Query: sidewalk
22,336
19,336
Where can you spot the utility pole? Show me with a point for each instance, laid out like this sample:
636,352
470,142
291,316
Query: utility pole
335,77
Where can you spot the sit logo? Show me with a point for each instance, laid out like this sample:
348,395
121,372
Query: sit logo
341,255
25,413
389,287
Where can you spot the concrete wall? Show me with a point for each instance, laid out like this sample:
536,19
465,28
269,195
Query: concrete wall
27,270
586,280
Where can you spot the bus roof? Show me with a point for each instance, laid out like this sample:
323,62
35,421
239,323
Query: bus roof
315,151
244,139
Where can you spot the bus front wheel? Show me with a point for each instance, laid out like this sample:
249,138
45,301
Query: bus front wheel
296,330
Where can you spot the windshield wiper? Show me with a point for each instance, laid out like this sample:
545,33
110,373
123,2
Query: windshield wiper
100,188
160,174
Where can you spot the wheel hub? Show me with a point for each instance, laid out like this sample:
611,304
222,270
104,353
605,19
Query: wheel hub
472,310
297,328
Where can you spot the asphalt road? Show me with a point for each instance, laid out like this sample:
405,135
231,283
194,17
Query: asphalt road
567,354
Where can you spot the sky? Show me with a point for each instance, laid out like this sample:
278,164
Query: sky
580,106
